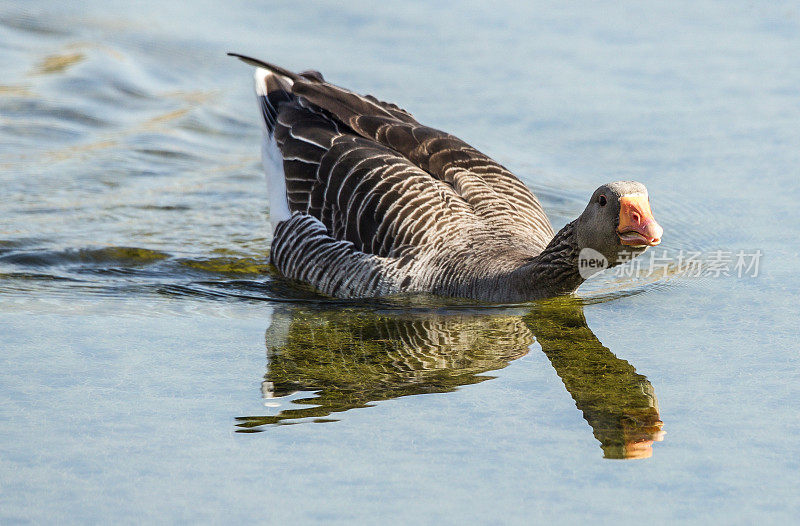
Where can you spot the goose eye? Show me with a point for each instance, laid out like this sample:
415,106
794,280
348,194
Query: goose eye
602,200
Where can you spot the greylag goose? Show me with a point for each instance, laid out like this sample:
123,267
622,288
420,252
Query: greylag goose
365,202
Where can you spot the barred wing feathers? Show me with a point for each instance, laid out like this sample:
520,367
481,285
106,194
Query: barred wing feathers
383,204
493,192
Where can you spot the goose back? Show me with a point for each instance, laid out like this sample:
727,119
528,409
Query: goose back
381,204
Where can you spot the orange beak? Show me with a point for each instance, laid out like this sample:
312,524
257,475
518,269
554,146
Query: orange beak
637,227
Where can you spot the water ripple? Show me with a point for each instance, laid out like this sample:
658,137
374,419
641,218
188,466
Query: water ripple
133,271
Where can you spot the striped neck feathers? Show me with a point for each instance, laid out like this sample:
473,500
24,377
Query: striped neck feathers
555,271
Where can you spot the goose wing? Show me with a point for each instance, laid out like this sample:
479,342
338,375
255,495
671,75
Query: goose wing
362,191
492,191
372,174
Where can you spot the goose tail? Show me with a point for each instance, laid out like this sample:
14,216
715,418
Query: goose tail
273,86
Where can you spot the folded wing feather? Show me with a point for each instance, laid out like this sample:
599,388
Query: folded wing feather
384,187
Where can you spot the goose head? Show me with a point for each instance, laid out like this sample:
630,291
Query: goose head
618,222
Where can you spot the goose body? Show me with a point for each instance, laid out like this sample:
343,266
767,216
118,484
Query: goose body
366,201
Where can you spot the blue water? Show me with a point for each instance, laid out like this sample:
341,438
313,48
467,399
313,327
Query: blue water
149,350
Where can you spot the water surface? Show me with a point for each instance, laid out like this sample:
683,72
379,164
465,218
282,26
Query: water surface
156,368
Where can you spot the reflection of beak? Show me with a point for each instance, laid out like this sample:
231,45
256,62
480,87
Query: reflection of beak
637,227
639,430
640,445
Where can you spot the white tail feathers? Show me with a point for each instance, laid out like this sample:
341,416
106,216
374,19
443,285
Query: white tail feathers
271,156
260,79
268,81
272,159
270,87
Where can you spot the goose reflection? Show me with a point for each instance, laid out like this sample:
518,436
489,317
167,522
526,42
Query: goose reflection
349,358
